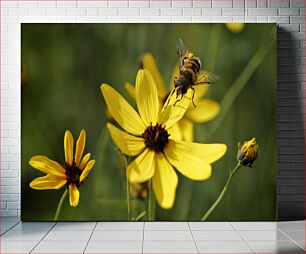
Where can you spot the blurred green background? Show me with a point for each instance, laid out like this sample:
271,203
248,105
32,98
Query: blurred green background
66,64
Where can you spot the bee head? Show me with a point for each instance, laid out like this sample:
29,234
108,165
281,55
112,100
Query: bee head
179,86
181,89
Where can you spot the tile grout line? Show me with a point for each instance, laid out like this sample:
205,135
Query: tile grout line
290,238
247,243
143,231
90,236
10,228
193,237
273,225
42,238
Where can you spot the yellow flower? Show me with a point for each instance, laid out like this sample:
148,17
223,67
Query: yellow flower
72,175
235,27
146,135
204,111
248,152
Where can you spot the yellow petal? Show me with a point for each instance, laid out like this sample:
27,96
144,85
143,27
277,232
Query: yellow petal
204,111
149,63
74,195
86,170
164,182
130,89
122,111
142,168
80,147
48,182
146,97
84,161
199,92
193,159
45,165
175,74
68,147
164,115
207,152
175,132
187,160
128,144
186,127
178,108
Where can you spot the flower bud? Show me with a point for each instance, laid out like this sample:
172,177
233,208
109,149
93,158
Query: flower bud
235,27
248,152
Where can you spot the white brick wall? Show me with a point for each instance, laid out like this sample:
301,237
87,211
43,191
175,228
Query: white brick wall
290,14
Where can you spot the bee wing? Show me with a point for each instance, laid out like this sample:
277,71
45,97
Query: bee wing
206,77
180,50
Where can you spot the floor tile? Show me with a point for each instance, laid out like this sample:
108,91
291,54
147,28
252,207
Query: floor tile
296,235
120,226
166,226
8,224
69,236
167,236
9,220
23,236
114,247
63,226
33,226
5,226
60,247
99,236
17,247
253,226
276,247
223,247
301,243
216,236
291,225
225,226
169,247
273,235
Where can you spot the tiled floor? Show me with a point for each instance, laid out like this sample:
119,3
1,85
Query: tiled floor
152,237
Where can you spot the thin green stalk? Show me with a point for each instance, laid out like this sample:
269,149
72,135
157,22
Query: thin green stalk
60,205
151,206
242,80
183,210
142,214
213,47
128,197
225,188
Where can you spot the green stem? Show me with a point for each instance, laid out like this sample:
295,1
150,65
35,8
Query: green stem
213,47
242,80
212,208
60,205
142,214
128,197
151,208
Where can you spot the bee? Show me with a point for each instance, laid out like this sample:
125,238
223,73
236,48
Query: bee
190,73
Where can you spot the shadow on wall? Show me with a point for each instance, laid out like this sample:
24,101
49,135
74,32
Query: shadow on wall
290,130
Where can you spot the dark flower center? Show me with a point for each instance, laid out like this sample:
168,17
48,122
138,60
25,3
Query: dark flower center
73,174
156,137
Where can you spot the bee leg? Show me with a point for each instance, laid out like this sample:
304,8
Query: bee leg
193,90
182,96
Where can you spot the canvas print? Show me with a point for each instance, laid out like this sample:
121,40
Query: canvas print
148,122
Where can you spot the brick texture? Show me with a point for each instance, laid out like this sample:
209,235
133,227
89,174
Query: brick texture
288,14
